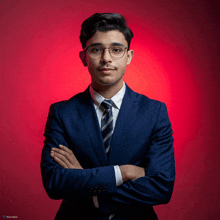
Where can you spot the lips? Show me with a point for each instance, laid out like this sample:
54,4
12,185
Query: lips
106,69
105,72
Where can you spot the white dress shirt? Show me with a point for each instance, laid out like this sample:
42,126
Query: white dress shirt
117,101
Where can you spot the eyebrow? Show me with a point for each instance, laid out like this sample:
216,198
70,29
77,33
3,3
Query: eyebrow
112,44
117,44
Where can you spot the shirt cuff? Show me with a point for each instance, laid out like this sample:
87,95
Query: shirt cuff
118,176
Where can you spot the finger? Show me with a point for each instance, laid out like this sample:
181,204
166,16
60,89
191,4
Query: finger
64,159
59,151
52,154
72,161
67,153
60,162
65,148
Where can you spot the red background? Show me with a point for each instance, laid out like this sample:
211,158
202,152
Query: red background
176,60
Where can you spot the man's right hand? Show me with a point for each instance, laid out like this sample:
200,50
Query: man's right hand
131,172
65,157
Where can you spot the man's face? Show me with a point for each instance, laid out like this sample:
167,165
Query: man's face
106,70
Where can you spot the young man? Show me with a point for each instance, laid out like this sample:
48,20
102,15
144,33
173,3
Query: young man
108,151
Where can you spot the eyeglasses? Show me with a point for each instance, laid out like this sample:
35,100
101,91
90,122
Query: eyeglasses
116,51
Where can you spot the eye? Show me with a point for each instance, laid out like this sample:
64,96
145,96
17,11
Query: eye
116,49
95,49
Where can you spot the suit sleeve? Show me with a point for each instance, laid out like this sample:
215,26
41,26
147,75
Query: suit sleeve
61,183
157,186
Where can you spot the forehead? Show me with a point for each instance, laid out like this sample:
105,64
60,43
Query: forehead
107,38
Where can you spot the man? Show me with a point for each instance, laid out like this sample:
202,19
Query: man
108,151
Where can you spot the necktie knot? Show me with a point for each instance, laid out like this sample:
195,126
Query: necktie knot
107,104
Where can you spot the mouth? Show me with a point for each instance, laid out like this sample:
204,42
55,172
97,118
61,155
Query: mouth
106,70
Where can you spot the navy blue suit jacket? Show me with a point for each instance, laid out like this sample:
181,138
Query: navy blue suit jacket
142,137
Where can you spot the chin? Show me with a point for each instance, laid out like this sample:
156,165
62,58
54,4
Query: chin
108,82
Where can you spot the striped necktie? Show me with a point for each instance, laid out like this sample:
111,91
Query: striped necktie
107,123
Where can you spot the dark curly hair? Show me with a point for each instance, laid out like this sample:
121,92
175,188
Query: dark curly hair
104,22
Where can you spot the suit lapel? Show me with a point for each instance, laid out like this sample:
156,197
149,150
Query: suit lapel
122,132
124,127
88,115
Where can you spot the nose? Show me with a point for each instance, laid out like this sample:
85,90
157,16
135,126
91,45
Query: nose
106,57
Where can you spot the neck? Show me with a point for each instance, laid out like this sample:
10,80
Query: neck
108,91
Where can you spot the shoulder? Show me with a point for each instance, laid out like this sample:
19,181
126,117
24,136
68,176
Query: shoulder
151,107
154,111
71,103
144,101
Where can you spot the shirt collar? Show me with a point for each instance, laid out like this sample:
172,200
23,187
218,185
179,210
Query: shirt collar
117,98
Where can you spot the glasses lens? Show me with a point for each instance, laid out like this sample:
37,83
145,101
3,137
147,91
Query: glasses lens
95,51
115,51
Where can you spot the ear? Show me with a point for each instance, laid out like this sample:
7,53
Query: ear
129,56
82,56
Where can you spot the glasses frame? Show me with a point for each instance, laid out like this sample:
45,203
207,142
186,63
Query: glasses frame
104,50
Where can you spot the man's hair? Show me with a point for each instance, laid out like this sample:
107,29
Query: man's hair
104,22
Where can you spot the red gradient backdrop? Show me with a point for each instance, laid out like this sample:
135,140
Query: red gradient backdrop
176,60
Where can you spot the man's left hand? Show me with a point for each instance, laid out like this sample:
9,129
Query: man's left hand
65,157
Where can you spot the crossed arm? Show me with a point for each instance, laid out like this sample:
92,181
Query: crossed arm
64,177
66,159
